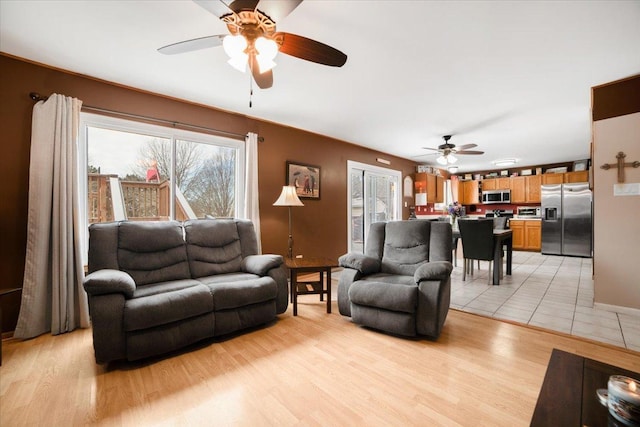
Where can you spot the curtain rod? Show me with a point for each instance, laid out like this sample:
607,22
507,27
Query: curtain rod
37,97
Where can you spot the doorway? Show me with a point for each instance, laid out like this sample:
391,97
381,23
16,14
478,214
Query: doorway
373,195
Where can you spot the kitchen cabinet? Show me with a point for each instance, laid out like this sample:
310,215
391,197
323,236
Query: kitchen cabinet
533,183
439,189
468,192
496,184
578,176
489,184
553,178
518,189
429,188
526,189
527,234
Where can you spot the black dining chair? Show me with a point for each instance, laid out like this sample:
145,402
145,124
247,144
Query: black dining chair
477,244
454,242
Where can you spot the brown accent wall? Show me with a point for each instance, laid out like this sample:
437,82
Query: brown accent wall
320,227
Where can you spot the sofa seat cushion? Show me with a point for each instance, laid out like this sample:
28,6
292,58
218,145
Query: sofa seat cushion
157,309
390,278
162,287
228,295
388,296
227,278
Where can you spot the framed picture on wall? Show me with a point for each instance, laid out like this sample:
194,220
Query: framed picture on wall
306,179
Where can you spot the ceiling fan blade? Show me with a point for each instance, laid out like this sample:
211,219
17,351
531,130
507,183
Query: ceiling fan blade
310,50
193,44
429,148
263,80
216,7
469,152
465,146
277,9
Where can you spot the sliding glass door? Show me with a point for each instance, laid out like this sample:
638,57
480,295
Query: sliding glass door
374,196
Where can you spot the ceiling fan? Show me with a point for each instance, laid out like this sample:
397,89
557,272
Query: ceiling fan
253,41
447,151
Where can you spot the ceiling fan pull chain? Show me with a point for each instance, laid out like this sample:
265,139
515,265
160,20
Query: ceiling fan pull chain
250,90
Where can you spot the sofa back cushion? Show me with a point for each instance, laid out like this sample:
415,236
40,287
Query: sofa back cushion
406,246
152,251
214,246
103,246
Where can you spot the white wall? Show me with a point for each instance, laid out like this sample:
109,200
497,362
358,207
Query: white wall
616,218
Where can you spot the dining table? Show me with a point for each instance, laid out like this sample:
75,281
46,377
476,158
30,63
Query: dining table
502,237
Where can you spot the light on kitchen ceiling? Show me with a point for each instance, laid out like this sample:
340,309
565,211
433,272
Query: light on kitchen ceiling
448,159
237,47
505,162
452,169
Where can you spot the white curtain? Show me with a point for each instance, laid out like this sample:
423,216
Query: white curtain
52,296
251,199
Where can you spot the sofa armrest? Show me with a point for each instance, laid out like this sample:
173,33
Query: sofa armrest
261,264
109,281
435,270
357,261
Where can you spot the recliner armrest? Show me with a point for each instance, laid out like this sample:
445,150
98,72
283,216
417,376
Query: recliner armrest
261,264
108,281
435,270
364,264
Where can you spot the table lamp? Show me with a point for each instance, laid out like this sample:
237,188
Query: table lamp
289,198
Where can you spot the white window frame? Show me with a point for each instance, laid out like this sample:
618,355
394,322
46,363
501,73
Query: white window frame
172,134
351,165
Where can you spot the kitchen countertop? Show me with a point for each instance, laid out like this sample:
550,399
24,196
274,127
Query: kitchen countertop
528,218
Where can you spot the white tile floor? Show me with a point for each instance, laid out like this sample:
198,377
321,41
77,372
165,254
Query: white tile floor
552,292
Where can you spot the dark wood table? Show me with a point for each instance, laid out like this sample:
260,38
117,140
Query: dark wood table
319,265
568,394
502,238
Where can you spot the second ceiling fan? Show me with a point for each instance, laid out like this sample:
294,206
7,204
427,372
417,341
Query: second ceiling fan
253,41
448,151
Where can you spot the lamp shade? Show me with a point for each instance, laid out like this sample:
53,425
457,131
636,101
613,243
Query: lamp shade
288,197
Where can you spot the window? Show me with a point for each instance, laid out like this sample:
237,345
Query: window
141,172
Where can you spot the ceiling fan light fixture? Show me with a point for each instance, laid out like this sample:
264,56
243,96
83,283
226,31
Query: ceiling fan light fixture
239,62
234,45
267,50
451,158
442,160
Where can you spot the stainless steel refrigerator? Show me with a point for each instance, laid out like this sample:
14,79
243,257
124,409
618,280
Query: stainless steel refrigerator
567,219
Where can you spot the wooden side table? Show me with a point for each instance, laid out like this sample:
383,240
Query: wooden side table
318,265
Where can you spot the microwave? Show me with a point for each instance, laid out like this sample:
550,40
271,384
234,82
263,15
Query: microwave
496,196
530,211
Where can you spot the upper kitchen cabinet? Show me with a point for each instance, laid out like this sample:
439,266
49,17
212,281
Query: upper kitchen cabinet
526,189
468,192
496,184
578,176
553,178
429,188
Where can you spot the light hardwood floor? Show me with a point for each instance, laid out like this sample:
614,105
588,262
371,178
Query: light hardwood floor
313,369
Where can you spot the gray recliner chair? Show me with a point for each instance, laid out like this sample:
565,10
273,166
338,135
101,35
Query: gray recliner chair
402,283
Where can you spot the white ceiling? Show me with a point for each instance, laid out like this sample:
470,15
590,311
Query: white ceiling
513,77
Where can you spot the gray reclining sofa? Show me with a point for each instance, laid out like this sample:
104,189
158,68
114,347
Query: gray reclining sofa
155,287
402,283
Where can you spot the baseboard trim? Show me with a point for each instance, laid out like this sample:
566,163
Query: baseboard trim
617,309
